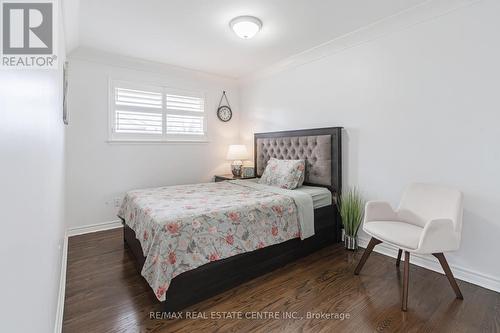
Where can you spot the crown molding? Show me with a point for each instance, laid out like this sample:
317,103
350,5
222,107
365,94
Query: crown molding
424,12
84,53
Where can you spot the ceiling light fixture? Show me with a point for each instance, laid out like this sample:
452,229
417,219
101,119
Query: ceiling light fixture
245,26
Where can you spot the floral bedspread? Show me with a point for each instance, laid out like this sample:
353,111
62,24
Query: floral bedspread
183,227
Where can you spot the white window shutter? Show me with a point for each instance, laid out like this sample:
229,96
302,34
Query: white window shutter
185,103
182,124
156,113
138,98
138,122
185,114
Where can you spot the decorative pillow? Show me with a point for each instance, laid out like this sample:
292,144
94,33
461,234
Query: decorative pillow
288,174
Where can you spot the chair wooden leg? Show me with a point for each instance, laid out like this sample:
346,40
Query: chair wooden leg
406,280
366,254
449,274
398,261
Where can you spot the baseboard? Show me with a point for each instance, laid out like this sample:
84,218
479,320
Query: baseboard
62,288
429,262
86,229
62,279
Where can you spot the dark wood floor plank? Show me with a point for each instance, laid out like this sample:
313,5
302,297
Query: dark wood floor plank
104,293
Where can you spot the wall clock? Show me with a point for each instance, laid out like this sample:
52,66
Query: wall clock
224,112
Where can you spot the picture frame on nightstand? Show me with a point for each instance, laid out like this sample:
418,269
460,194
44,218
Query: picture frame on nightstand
247,172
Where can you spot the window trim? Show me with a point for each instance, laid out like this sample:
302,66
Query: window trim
164,138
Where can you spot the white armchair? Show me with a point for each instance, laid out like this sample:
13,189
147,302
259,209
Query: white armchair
428,221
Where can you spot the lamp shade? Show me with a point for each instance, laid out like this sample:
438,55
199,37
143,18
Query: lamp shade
237,152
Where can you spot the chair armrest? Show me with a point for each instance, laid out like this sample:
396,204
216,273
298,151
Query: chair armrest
379,211
438,236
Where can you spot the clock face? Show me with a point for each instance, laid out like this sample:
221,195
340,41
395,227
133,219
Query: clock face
224,113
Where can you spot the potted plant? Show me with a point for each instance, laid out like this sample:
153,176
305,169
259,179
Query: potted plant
351,212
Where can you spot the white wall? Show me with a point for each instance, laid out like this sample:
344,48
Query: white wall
419,104
98,171
31,196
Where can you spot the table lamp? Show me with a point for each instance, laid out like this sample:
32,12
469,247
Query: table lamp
237,153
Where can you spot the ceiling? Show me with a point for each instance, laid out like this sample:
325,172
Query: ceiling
195,33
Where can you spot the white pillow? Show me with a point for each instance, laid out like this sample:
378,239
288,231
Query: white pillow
287,174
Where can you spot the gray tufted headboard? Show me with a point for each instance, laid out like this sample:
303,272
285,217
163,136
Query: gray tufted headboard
320,147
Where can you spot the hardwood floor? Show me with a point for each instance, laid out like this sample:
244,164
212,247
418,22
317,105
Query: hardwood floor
105,293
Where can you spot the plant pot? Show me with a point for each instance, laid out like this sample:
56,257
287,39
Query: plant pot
351,243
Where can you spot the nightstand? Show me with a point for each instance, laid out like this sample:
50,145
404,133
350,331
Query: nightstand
221,178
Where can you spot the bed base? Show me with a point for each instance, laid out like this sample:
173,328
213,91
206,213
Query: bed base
216,277
213,278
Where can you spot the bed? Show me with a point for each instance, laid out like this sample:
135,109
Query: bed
179,258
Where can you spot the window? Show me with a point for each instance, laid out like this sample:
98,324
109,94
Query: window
154,113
